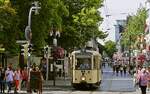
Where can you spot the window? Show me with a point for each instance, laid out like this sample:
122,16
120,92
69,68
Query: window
83,63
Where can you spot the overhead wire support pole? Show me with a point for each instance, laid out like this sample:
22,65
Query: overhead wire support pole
28,33
35,9
30,13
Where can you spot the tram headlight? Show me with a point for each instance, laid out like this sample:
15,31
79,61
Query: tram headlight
83,78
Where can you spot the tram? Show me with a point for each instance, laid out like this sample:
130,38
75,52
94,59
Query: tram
86,68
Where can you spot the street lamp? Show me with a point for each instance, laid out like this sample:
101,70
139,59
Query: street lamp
28,34
35,7
54,33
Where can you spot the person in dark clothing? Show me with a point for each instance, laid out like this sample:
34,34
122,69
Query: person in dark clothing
43,67
2,80
117,70
124,69
114,69
121,70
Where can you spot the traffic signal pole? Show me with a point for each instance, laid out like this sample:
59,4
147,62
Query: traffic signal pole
54,59
28,34
54,34
47,61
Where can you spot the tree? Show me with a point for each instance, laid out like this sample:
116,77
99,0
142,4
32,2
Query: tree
77,20
82,23
135,27
110,48
8,26
50,15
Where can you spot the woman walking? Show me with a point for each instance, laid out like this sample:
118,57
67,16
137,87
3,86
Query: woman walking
143,80
17,79
24,77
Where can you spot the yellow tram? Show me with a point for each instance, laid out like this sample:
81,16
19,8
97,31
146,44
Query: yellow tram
86,68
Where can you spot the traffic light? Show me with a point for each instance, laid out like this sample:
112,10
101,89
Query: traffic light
29,49
22,56
22,50
47,51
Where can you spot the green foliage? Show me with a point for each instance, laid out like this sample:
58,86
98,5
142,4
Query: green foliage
88,18
110,48
82,22
8,27
50,15
134,28
77,20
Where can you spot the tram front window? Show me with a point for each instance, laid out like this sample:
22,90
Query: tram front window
83,64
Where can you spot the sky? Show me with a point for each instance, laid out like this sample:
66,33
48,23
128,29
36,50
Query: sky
117,9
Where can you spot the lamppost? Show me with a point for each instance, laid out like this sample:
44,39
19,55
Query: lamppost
55,34
28,34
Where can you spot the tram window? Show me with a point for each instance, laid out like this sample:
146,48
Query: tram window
83,63
95,63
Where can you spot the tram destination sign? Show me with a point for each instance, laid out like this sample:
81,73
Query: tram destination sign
83,55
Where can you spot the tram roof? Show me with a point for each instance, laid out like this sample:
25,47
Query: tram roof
89,51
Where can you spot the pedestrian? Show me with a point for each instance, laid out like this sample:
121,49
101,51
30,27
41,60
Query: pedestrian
143,80
2,80
17,79
43,67
9,74
113,66
24,74
124,69
135,79
121,70
148,85
137,75
117,69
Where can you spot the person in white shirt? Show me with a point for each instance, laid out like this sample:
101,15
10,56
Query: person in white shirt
9,78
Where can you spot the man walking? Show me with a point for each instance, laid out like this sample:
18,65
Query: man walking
9,78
